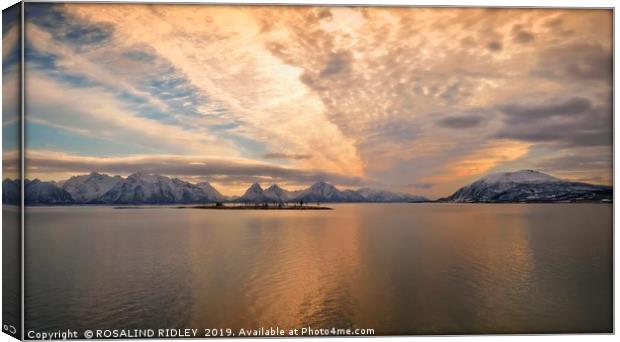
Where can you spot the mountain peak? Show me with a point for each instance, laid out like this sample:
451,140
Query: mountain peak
322,184
253,194
274,187
255,186
521,176
528,186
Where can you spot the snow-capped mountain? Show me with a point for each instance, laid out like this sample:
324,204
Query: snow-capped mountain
39,192
10,191
144,188
325,192
528,186
254,194
321,192
276,194
374,195
89,188
210,193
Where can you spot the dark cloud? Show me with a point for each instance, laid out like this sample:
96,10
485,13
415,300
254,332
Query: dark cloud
452,92
555,22
337,63
523,37
495,45
286,156
581,61
567,122
10,18
391,131
325,13
182,166
527,112
461,121
68,28
557,25
581,161
591,165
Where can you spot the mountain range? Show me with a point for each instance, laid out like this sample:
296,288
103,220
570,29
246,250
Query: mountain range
528,186
322,192
143,188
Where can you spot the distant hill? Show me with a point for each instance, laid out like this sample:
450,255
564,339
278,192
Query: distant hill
528,186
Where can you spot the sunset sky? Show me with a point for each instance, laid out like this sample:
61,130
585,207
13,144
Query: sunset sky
418,100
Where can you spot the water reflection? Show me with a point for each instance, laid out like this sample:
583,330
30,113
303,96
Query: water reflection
400,269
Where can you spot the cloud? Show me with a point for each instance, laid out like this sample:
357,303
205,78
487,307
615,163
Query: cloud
481,160
573,162
64,26
573,121
223,170
527,112
461,122
356,90
577,62
286,156
260,93
11,162
588,164
99,115
495,45
423,185
521,35
336,63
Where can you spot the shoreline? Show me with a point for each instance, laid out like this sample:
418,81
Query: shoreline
226,207
255,207
172,206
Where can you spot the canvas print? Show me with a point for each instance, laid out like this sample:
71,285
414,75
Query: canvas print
196,170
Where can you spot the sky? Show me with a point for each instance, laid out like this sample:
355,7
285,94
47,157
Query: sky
416,100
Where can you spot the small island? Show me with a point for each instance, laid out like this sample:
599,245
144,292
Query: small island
236,206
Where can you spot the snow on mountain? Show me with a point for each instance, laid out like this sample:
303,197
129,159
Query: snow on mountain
143,188
522,176
39,192
325,192
349,196
254,194
318,192
276,194
10,191
528,186
322,192
210,193
88,188
374,195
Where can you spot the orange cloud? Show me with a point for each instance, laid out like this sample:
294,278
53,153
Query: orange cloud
481,161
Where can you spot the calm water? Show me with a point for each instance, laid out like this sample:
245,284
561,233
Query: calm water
397,268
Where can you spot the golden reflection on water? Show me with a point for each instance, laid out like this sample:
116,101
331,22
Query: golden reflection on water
297,271
396,268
